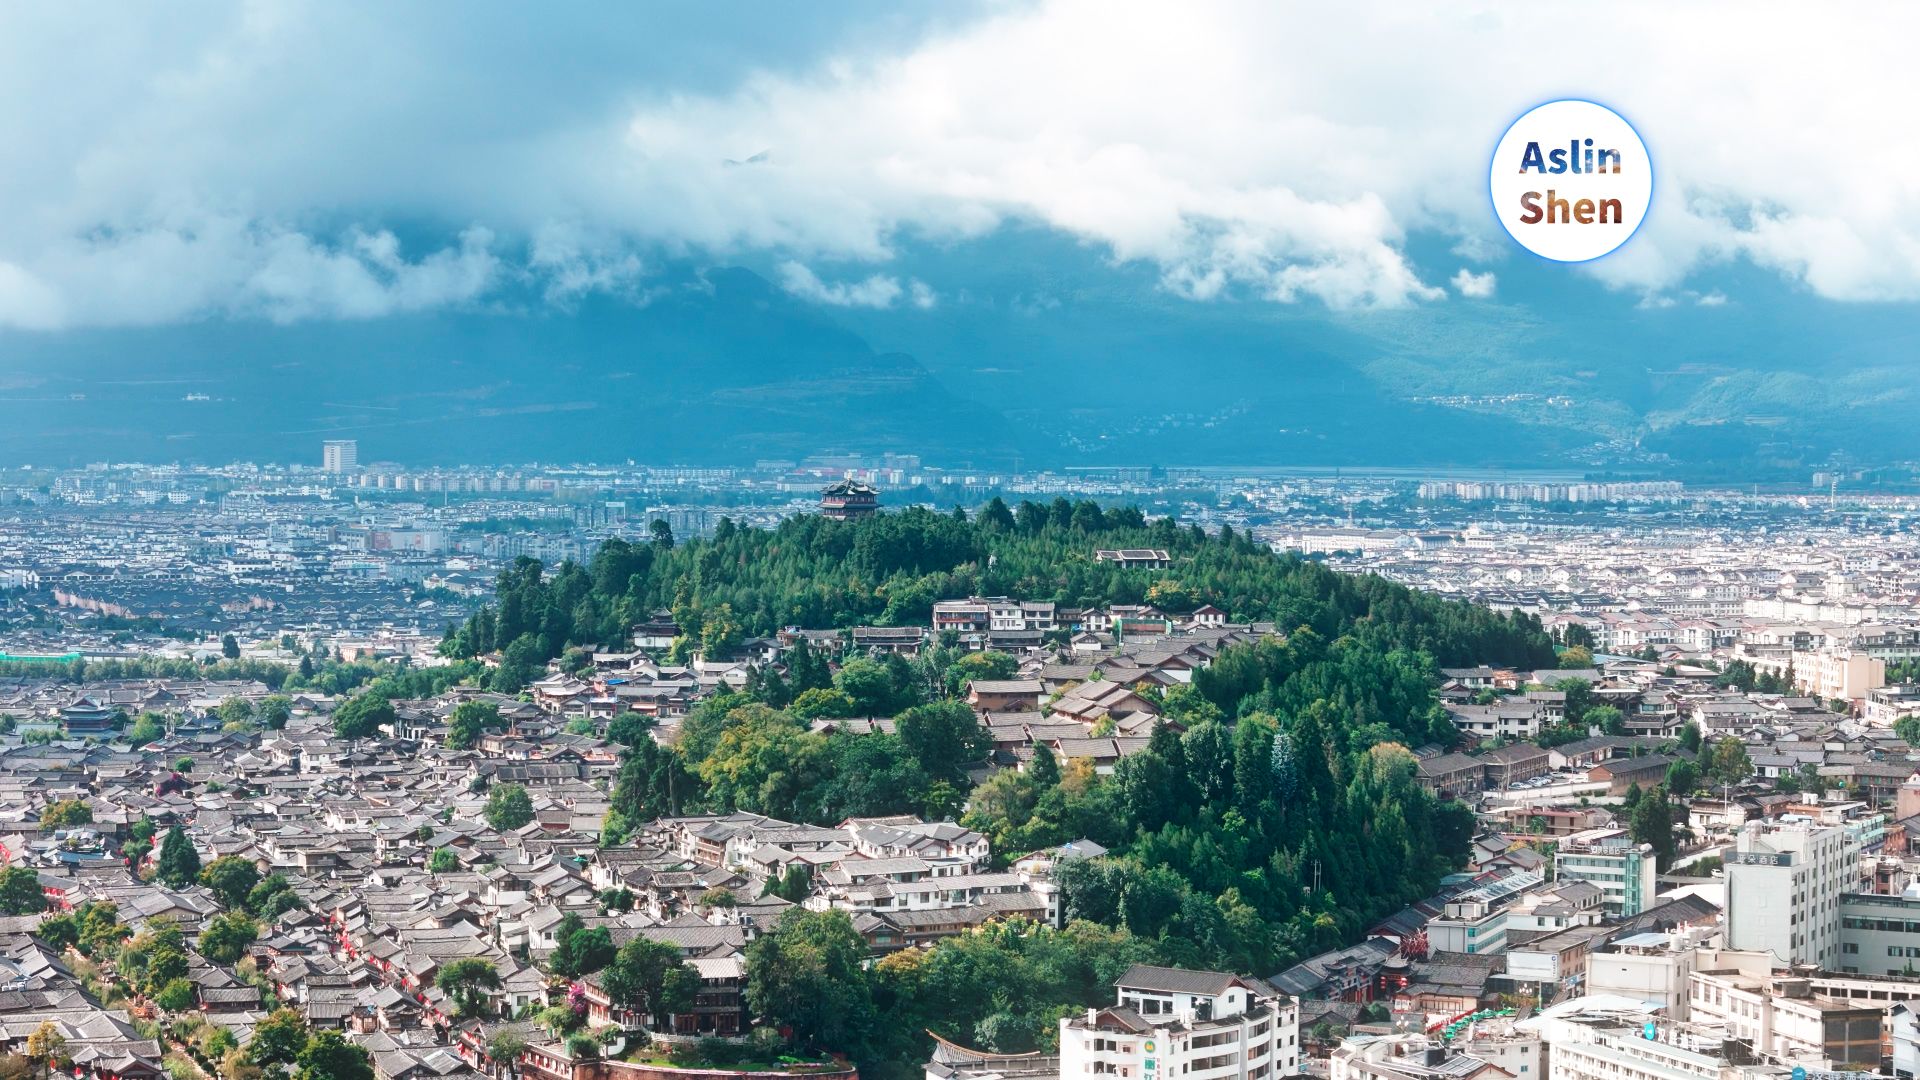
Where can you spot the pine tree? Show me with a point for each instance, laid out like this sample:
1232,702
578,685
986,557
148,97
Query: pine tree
179,862
1044,768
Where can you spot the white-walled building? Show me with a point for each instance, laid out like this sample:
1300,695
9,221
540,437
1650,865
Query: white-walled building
1784,884
1172,1024
1647,967
1476,920
1502,1054
339,455
1782,1016
1903,1031
1624,870
1595,1038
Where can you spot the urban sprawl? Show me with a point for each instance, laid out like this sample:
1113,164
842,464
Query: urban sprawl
854,764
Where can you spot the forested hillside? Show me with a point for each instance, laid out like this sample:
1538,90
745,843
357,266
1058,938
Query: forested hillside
1279,817
889,569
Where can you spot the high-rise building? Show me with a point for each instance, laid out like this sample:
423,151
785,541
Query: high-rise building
339,455
1784,884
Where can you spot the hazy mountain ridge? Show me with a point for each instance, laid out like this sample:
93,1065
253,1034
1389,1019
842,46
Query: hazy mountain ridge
1034,350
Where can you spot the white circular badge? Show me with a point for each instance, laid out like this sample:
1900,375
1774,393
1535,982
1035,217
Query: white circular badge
1571,180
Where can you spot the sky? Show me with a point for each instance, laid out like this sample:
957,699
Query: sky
296,161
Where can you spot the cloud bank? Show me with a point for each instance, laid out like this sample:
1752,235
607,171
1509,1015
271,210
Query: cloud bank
320,160
1472,285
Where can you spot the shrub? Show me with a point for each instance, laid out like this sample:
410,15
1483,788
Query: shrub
765,1043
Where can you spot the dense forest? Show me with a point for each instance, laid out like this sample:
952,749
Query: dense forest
889,569
1277,817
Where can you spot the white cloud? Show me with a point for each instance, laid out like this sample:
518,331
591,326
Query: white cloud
1287,150
572,261
231,267
1469,284
210,161
878,291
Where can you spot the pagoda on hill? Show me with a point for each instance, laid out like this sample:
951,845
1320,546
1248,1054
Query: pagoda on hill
845,500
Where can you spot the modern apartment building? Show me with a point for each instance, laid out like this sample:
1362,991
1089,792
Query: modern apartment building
1785,882
339,456
1610,859
1173,1024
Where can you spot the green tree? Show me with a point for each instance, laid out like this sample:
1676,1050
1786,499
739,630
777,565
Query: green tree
1576,658
765,763
562,961
990,665
227,936
651,784
649,977
872,687
1690,738
944,736
1172,596
1683,777
793,885
469,721
593,949
521,662
1044,769
154,958
60,931
178,995
329,1056
275,711
147,728
995,515
509,807
443,861
231,877
229,647
1729,763
466,981
66,813
1579,694
1608,719
278,1039
179,863
362,716
100,929
20,892
235,713
817,704
1908,728
809,975
505,1048
1652,823
273,897
630,729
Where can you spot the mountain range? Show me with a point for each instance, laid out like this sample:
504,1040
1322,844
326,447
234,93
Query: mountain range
1032,348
